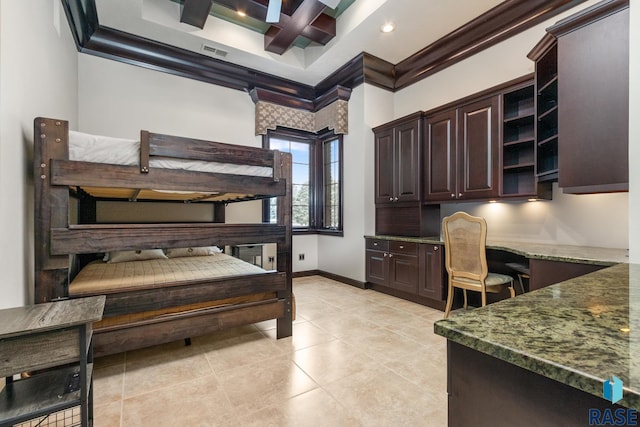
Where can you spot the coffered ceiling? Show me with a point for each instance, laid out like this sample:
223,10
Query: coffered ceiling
357,29
430,35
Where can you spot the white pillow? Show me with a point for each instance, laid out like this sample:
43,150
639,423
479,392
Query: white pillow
139,255
197,251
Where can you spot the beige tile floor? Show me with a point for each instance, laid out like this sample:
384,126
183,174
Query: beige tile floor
356,358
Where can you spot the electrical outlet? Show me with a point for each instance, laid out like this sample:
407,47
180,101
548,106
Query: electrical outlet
272,259
300,257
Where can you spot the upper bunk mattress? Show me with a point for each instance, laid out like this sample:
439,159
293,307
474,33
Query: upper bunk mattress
101,277
118,151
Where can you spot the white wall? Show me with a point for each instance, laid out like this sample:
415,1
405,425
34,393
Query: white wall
344,256
38,72
594,220
118,99
634,132
570,219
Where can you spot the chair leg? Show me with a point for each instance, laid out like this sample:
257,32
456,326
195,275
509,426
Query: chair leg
520,277
464,292
484,298
512,290
449,301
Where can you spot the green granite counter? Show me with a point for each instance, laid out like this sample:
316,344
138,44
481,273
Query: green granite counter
545,251
579,332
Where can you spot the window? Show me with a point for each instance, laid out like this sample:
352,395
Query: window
316,180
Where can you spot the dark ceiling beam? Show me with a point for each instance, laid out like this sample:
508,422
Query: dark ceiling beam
503,21
278,40
195,12
321,31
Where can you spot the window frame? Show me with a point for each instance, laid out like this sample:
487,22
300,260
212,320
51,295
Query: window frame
316,180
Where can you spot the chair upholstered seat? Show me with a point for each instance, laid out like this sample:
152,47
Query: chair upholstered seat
493,282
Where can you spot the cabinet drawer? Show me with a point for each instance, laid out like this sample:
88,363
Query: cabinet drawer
377,244
407,248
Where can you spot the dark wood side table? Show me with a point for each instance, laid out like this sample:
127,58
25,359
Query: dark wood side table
52,341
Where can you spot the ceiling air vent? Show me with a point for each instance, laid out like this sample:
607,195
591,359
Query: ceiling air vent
214,50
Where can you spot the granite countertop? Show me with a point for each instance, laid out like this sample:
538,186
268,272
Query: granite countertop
579,332
546,251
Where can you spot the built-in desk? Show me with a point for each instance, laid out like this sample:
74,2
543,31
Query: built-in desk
541,358
549,263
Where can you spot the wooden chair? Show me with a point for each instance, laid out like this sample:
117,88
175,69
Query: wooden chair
466,259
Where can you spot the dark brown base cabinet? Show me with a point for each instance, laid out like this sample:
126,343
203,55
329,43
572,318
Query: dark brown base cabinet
486,391
408,270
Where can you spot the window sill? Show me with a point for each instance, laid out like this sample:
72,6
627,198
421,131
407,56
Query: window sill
337,233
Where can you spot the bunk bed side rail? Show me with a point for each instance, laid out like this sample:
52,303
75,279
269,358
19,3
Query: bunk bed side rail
77,173
161,297
210,151
79,239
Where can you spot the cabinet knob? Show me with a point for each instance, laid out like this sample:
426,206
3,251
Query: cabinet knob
395,199
384,255
401,247
391,199
435,248
459,194
390,255
375,243
453,196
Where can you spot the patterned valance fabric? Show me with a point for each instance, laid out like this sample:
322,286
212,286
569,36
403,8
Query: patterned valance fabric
334,116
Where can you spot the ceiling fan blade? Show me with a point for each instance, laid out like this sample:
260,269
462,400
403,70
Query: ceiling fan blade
330,3
273,11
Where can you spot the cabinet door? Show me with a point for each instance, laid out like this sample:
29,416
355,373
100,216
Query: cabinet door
432,277
407,161
440,157
384,153
478,155
403,272
377,267
593,106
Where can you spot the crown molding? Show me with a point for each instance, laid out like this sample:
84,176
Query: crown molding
499,23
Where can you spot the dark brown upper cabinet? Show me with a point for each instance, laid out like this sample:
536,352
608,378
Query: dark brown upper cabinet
461,152
397,160
593,99
479,156
440,156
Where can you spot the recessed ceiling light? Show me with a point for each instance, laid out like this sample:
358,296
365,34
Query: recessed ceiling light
388,27
241,13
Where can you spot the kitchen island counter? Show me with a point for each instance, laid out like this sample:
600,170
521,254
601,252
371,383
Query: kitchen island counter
577,333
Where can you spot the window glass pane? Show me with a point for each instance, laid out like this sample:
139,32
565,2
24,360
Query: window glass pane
300,205
301,181
299,152
331,184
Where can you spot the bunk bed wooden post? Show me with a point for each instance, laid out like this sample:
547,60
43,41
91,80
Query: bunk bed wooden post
285,324
51,209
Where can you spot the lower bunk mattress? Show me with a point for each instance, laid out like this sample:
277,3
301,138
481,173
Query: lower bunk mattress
100,277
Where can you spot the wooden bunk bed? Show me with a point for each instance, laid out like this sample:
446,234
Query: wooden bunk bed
140,315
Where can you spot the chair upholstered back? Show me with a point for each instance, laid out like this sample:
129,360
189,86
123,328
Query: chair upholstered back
465,243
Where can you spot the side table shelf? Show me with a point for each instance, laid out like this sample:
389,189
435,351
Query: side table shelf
52,342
